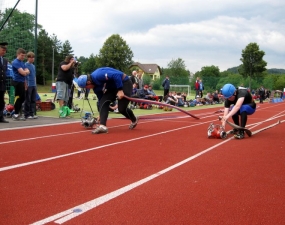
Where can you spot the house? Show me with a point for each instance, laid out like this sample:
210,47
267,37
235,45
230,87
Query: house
152,70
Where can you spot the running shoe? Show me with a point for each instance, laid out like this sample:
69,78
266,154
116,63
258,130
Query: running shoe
134,124
239,135
100,130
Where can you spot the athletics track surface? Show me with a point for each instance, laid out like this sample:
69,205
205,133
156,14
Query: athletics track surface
165,171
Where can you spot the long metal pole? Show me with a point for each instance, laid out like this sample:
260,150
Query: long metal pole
52,64
36,34
2,25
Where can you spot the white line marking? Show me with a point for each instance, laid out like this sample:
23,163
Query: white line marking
39,125
76,132
80,209
92,149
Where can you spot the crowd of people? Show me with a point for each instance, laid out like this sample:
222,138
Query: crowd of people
22,76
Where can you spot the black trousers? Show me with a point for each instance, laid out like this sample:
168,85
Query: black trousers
110,96
2,103
30,101
20,95
166,91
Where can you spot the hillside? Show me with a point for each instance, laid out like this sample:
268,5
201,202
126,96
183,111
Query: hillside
270,71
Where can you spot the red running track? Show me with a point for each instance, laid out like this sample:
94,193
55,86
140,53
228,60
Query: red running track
166,171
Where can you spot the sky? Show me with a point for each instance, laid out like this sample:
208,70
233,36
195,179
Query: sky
200,32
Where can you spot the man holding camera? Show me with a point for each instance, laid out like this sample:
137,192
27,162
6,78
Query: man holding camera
109,84
63,82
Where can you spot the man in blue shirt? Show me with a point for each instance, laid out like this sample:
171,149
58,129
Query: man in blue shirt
109,84
20,72
30,101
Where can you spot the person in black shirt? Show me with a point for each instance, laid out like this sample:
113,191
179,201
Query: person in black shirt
63,81
243,105
3,70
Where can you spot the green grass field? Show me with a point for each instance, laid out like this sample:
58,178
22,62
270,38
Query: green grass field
46,95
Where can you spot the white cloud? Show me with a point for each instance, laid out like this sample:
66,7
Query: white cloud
211,32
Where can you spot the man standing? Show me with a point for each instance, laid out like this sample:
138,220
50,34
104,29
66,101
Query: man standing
134,78
244,105
20,72
109,84
140,81
201,86
166,85
3,70
197,86
261,93
30,102
63,82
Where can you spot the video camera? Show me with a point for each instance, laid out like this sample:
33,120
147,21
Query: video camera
88,120
76,63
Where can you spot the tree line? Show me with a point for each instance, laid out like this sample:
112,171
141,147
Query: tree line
115,52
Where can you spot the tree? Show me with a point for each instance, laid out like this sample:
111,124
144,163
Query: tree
177,72
18,31
44,57
253,64
115,53
90,65
66,49
210,76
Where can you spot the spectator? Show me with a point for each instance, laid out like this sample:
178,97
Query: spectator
134,95
63,81
209,99
170,99
153,96
20,72
144,93
140,80
268,93
9,83
134,78
261,93
180,99
166,86
197,86
216,96
3,71
201,88
30,100
198,101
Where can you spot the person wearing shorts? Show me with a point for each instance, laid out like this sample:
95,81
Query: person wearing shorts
63,82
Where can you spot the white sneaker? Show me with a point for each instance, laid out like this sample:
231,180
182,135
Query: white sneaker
100,130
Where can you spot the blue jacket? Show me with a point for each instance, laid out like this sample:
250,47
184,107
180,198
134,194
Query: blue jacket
166,84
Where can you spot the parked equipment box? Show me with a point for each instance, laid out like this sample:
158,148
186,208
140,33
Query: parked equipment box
45,106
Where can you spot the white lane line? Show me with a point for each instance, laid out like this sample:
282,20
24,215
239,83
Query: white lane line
92,149
39,125
80,209
76,132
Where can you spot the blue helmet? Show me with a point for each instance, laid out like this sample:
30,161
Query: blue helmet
228,90
82,80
